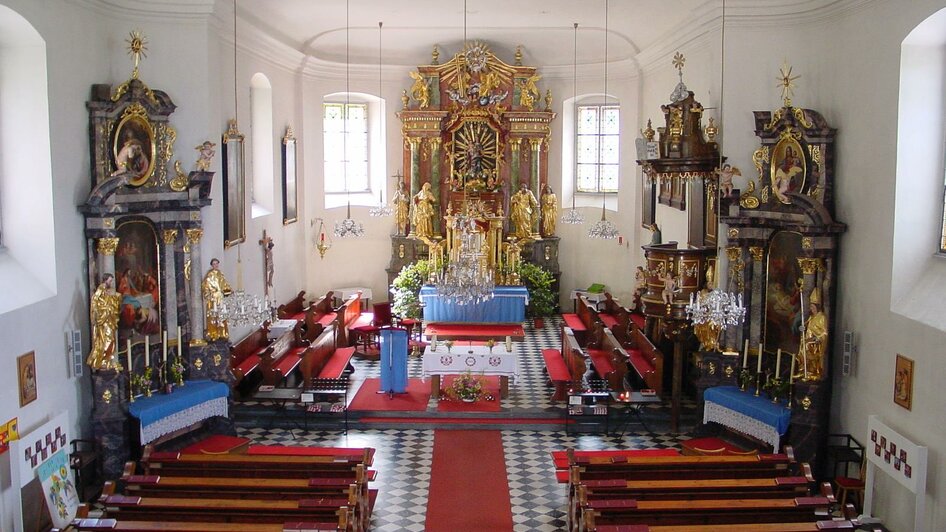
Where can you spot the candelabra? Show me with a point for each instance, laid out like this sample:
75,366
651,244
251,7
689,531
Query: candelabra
713,312
240,309
465,279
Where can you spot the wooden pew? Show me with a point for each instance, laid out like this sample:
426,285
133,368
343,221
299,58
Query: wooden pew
253,466
83,523
346,315
685,467
828,524
610,360
564,370
325,359
294,309
284,355
318,316
245,354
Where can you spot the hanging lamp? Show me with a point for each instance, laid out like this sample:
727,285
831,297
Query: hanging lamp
603,228
573,216
347,228
382,209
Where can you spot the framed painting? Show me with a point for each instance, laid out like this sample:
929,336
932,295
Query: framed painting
133,146
26,373
289,195
783,293
903,382
138,279
234,187
788,169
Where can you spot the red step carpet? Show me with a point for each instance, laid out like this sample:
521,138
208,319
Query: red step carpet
448,404
468,493
474,331
368,398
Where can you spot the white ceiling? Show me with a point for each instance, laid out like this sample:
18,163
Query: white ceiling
544,28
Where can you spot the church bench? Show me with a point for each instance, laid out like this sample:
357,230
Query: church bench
323,359
646,359
254,466
245,354
828,524
87,524
683,467
564,366
282,357
345,318
318,316
294,309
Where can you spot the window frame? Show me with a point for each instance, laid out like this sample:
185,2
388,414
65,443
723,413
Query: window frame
597,164
346,106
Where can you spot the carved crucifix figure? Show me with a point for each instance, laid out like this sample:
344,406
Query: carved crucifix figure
268,266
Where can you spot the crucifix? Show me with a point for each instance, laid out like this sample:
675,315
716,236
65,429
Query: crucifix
268,266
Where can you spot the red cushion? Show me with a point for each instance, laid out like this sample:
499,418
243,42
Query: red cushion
365,319
216,444
849,483
555,365
574,322
298,316
561,457
409,322
287,363
336,365
561,476
638,320
608,320
292,450
602,362
641,364
326,319
249,364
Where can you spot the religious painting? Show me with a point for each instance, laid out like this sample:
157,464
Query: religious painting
289,197
133,146
783,309
26,373
138,279
475,155
903,382
234,203
788,170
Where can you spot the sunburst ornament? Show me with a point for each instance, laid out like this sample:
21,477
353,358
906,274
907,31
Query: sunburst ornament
680,92
137,48
787,82
679,61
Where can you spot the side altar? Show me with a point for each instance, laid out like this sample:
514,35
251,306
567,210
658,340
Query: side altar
476,141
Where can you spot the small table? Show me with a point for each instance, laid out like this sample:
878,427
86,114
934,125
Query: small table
592,297
475,359
342,294
633,402
742,411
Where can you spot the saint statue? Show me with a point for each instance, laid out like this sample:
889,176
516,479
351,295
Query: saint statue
206,157
708,332
402,208
104,314
423,220
213,288
814,340
549,211
420,91
523,212
656,237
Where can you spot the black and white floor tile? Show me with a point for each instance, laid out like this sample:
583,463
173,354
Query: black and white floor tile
403,456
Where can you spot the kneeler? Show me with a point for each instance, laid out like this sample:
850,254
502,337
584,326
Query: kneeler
393,360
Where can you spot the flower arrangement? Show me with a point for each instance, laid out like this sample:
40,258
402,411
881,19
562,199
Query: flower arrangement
467,387
776,388
745,379
176,372
490,343
141,383
449,344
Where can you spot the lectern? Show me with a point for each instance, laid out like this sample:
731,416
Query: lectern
393,360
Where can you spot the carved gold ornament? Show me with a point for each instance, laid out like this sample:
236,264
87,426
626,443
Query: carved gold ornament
809,266
180,180
108,223
732,253
806,403
198,364
400,251
107,396
107,245
217,360
193,235
728,371
733,232
806,242
712,368
757,253
187,270
169,236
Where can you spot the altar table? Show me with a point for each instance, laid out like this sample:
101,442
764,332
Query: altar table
755,416
478,359
163,414
508,305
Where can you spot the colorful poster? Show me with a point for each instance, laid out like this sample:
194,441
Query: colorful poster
62,500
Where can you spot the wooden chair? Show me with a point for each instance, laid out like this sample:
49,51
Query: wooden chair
852,486
370,334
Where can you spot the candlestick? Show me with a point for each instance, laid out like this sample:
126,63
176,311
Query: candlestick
179,341
129,355
759,367
147,352
778,362
791,372
509,344
745,355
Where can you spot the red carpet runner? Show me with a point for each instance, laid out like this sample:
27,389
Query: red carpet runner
368,398
468,486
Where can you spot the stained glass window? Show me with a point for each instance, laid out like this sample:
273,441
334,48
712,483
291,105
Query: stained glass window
339,120
599,128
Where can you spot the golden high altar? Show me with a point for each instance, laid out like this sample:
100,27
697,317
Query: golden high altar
476,137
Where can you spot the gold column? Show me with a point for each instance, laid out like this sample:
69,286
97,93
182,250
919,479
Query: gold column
192,269
106,247
435,175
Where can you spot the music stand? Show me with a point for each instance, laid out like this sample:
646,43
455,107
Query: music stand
393,360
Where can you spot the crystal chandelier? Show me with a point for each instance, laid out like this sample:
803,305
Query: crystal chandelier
381,210
465,279
713,312
241,309
573,216
349,228
603,228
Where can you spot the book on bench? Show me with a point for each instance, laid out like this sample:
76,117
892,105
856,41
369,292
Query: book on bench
648,392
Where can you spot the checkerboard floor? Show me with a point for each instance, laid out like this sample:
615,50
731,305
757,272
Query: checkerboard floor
403,456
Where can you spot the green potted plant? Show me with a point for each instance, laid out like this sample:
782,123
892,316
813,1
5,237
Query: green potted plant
405,290
538,282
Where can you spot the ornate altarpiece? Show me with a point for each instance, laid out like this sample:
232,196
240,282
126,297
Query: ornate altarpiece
476,129
783,249
144,226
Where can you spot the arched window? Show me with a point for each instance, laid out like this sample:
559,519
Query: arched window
354,149
261,144
591,134
27,243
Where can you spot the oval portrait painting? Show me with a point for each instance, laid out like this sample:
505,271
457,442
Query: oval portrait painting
133,149
788,169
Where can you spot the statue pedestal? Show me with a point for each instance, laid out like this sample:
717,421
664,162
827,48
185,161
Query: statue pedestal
110,423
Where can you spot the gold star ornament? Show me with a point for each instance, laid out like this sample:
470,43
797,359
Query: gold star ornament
787,82
678,61
137,48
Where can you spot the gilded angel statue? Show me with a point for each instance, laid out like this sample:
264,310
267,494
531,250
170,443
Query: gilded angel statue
420,91
528,92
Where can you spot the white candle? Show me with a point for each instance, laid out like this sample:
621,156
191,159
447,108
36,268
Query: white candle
791,372
509,344
745,355
179,341
778,362
129,354
759,367
147,351
164,346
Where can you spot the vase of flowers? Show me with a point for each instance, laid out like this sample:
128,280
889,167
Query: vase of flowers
467,387
449,344
776,388
490,343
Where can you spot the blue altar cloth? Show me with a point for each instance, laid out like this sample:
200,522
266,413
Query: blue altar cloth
759,408
508,305
159,406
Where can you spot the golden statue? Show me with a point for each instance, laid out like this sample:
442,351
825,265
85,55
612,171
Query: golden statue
707,333
549,211
402,208
814,340
422,223
104,314
528,92
213,288
523,212
420,91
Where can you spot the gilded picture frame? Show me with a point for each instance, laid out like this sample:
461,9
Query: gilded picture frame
290,206
26,375
133,146
903,382
788,170
234,187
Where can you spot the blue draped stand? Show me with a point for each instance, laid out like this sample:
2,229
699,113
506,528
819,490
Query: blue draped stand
393,360
508,305
163,414
755,416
